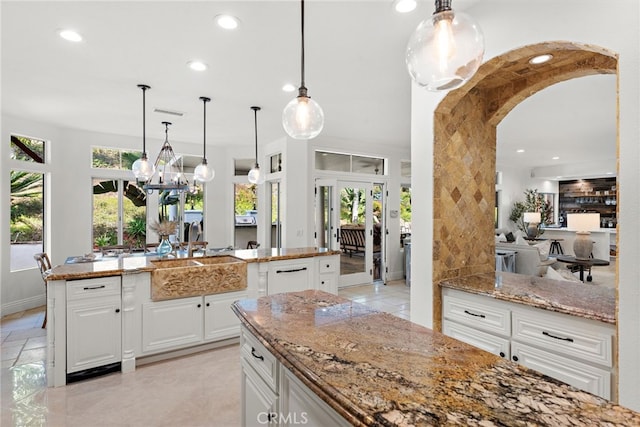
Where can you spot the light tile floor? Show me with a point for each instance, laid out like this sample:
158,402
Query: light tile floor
202,389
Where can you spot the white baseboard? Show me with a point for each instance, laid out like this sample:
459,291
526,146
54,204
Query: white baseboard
23,304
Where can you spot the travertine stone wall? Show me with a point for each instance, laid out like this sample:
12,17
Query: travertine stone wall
465,150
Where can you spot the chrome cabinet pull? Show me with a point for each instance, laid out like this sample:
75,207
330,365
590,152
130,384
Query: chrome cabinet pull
557,337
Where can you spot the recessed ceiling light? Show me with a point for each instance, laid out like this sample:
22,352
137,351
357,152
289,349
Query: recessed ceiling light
555,158
540,59
197,65
70,35
520,151
227,22
404,6
288,87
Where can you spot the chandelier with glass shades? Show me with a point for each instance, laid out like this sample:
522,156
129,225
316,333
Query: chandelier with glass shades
167,173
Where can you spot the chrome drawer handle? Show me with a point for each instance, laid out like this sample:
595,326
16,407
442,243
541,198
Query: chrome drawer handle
556,337
291,271
473,314
257,356
88,288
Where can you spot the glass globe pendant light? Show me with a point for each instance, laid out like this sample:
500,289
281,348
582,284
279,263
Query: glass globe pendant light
142,168
204,172
303,117
445,50
255,176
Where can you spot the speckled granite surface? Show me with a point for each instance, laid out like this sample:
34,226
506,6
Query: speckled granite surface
377,369
575,298
112,266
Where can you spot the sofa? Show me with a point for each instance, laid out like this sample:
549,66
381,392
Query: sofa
528,259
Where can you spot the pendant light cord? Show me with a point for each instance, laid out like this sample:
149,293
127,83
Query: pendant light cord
144,127
255,126
204,131
302,50
204,100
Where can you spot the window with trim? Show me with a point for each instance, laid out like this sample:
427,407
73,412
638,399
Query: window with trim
119,213
27,213
113,158
351,163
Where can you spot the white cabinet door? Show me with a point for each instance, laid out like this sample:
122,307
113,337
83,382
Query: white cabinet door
94,327
93,333
580,375
171,324
491,343
220,322
290,276
259,402
299,406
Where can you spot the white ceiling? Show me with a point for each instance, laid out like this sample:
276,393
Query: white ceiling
354,69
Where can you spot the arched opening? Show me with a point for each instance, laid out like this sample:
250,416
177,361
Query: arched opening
465,150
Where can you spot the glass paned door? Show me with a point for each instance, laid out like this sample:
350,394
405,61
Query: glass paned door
379,232
344,221
355,232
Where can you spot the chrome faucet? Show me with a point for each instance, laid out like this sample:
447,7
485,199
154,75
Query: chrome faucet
193,227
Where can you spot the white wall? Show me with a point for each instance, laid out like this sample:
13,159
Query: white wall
511,24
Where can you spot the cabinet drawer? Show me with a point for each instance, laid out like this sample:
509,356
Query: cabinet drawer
582,376
260,359
476,311
289,276
327,265
582,339
91,288
487,342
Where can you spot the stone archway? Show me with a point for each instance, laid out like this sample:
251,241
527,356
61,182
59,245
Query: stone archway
465,150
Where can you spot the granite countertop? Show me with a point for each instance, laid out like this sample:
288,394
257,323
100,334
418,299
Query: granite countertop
574,298
84,268
377,369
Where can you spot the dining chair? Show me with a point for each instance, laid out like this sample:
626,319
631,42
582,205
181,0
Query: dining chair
44,264
253,244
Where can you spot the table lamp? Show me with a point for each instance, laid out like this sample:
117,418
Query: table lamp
583,224
532,219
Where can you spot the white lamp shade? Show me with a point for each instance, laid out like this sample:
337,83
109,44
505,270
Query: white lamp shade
204,173
303,118
445,51
532,217
583,221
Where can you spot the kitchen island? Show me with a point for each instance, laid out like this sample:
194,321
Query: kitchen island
113,313
331,359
